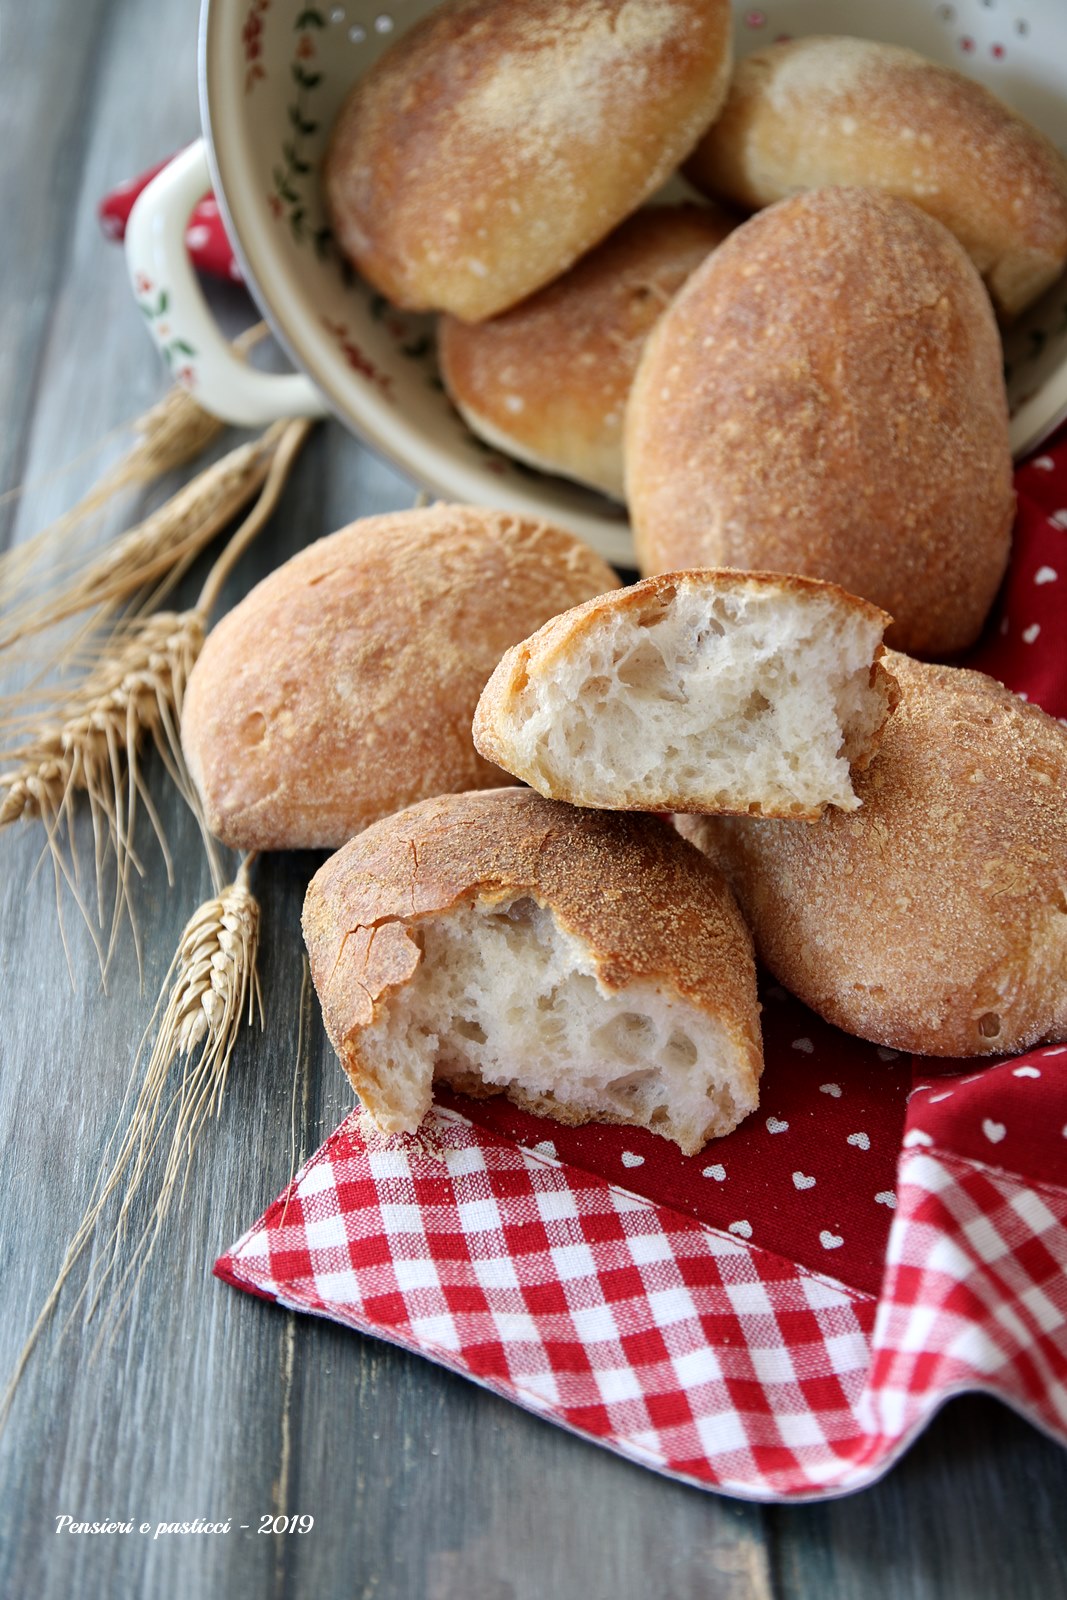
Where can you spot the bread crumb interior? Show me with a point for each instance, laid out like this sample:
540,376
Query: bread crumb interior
505,999
738,700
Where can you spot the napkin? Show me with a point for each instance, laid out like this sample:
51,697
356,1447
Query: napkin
777,1317
205,234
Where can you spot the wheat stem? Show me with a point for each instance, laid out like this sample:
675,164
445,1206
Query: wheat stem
171,434
210,986
289,444
50,578
169,538
99,726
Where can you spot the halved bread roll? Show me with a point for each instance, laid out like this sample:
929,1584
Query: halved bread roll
698,691
592,967
935,919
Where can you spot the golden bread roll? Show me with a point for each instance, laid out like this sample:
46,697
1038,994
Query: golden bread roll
696,691
825,396
547,381
590,966
343,686
495,143
935,918
805,113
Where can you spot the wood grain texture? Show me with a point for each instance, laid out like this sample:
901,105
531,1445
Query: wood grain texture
210,1403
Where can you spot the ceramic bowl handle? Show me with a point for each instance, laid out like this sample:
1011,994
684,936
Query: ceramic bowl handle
178,316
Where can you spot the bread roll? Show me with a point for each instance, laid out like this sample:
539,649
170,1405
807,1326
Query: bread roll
495,143
592,967
935,919
343,686
805,113
547,381
825,396
698,691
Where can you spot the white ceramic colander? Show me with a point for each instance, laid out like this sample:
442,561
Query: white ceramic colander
273,76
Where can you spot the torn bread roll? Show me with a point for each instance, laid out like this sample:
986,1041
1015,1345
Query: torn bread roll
695,691
826,396
935,919
494,143
343,686
590,966
805,113
547,381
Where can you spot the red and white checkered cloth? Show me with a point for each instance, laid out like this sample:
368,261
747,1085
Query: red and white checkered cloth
678,1344
778,1316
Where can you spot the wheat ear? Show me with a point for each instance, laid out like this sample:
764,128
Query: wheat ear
173,433
211,984
155,552
96,749
132,697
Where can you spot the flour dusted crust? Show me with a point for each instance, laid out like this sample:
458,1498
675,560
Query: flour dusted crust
825,396
548,380
494,143
935,918
809,112
648,914
343,686
712,691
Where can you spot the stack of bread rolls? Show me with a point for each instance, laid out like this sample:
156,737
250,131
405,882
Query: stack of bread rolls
806,413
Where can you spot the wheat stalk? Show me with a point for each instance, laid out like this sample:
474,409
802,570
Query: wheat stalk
158,549
210,985
213,983
173,433
131,698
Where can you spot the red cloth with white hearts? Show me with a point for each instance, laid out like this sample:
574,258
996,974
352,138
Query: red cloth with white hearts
205,234
778,1316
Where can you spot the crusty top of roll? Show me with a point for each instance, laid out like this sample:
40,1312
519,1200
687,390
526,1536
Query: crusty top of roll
826,396
649,906
548,380
935,918
494,143
804,113
343,686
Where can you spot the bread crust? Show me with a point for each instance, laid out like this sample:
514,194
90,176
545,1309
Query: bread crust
343,686
934,919
809,112
825,396
648,906
561,636
495,143
548,380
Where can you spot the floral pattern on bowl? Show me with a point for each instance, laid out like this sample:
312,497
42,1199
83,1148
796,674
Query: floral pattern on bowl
274,74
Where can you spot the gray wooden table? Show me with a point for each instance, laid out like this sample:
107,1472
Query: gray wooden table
212,1404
